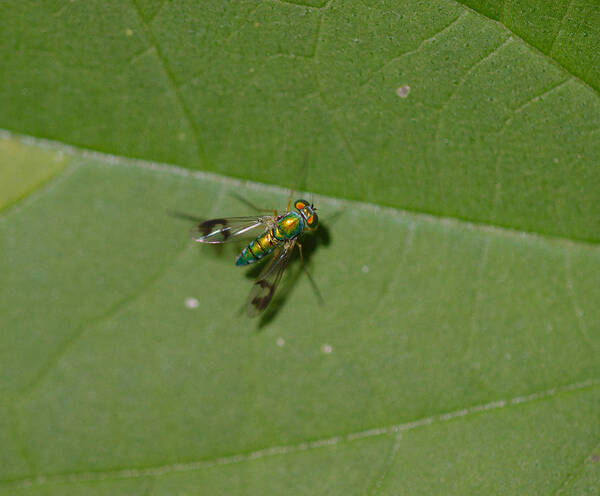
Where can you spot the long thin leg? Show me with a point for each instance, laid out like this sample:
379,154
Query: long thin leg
312,281
290,200
301,257
268,266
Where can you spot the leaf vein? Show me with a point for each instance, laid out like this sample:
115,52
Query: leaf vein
462,80
22,447
43,189
576,308
157,471
391,281
387,465
478,295
415,50
404,214
157,11
528,44
560,28
111,312
500,135
170,77
576,471
300,4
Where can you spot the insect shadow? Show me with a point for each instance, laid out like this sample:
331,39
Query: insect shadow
310,244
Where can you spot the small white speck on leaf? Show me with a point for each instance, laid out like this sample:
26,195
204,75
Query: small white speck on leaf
365,268
191,302
280,342
129,32
327,349
403,91
556,160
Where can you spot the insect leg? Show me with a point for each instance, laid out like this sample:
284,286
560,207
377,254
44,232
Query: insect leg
290,199
301,257
310,278
268,266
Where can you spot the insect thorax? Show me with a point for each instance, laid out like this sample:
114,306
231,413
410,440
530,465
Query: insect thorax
289,226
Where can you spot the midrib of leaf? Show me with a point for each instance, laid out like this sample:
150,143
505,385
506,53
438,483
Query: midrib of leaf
258,186
468,411
167,70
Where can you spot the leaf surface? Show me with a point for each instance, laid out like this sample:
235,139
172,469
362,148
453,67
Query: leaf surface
490,128
453,155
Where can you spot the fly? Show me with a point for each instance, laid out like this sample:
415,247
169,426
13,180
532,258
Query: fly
273,235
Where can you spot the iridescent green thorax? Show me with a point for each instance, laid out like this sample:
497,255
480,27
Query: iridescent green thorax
288,227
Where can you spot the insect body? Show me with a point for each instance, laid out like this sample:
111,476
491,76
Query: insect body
287,227
275,234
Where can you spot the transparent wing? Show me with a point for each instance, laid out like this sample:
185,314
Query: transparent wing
223,230
264,288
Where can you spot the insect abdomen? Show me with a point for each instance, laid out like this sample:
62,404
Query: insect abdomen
258,248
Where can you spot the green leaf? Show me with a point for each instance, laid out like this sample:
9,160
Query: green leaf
245,89
21,172
453,155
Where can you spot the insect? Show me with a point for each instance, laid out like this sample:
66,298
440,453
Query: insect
273,234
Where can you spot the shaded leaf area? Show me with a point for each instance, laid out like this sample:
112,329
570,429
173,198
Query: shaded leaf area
568,31
106,368
491,130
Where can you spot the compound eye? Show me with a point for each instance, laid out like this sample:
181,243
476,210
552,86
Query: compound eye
299,205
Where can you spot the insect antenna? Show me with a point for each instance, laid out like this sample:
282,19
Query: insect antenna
248,203
303,173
